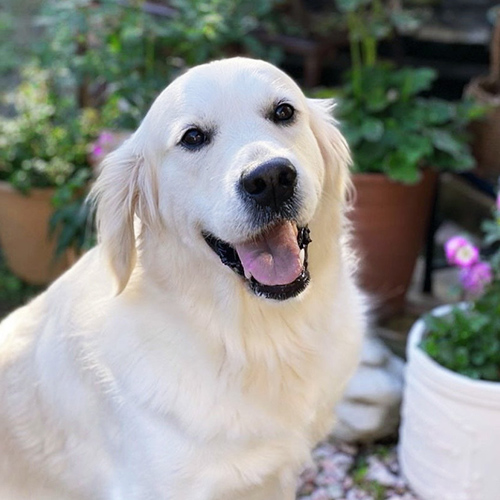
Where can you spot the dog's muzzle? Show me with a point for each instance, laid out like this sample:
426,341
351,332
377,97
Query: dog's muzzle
274,260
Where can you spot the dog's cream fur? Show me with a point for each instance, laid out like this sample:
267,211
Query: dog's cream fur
149,370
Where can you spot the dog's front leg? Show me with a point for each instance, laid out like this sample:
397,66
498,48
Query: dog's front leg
273,489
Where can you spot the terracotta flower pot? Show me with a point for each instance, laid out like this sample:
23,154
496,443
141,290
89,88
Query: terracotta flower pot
24,235
485,133
390,221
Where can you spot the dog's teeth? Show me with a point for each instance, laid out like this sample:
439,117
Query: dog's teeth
302,256
248,275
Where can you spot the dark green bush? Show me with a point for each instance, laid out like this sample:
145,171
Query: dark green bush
393,130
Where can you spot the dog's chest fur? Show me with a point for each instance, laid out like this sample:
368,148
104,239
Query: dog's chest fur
239,409
172,399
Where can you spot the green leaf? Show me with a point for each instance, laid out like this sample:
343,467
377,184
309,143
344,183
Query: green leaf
352,134
350,5
438,112
416,147
372,129
377,100
405,21
444,141
417,80
399,167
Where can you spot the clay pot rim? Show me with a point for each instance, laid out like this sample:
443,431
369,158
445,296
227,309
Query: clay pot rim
476,90
443,378
35,192
382,178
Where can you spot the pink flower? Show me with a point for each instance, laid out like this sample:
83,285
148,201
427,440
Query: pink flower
97,150
475,278
461,252
105,137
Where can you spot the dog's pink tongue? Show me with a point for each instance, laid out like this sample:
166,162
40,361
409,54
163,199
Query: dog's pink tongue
274,257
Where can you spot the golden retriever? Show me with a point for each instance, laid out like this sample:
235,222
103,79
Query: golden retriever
198,351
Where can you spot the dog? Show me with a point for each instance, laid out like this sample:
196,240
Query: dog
197,352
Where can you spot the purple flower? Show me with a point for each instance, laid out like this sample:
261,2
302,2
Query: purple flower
461,252
475,278
97,150
105,138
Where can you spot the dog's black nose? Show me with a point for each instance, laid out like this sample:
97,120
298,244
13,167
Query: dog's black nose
270,184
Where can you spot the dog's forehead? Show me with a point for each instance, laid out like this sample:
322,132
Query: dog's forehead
234,84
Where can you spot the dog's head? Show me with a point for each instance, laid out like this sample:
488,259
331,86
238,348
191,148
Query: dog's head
234,161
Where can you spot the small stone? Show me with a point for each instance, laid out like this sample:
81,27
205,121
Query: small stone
320,494
375,386
309,474
324,450
335,491
378,472
362,418
374,352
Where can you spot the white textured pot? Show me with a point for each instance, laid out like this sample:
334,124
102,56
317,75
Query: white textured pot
450,433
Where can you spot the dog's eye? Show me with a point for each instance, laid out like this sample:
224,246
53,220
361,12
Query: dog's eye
193,138
283,113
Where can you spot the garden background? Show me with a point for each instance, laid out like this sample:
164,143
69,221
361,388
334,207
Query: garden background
413,102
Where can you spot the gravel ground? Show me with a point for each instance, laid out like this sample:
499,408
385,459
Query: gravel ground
349,472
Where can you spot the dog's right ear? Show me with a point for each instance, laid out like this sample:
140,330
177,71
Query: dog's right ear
125,187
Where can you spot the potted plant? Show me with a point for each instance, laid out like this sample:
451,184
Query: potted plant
93,55
43,167
450,432
485,133
395,134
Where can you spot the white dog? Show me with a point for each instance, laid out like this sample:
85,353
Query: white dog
199,355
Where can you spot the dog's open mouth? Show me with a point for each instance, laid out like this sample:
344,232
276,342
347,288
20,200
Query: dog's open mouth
274,263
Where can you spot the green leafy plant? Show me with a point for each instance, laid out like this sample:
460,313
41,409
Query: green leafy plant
118,56
390,126
467,340
45,144
201,31
392,129
104,54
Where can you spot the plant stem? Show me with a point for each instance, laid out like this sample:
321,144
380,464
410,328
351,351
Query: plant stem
150,55
371,43
355,50
370,51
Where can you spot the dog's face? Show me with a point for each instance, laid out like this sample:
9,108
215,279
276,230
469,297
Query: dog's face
232,159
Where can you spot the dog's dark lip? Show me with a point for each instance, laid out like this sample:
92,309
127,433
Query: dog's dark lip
229,257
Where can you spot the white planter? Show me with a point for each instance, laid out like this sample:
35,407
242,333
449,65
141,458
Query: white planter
450,433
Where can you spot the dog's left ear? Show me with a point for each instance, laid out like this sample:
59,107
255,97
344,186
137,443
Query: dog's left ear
333,146
125,188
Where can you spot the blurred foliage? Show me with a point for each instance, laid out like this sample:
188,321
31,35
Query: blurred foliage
117,56
44,143
9,58
393,129
211,29
99,64
468,341
14,292
389,125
